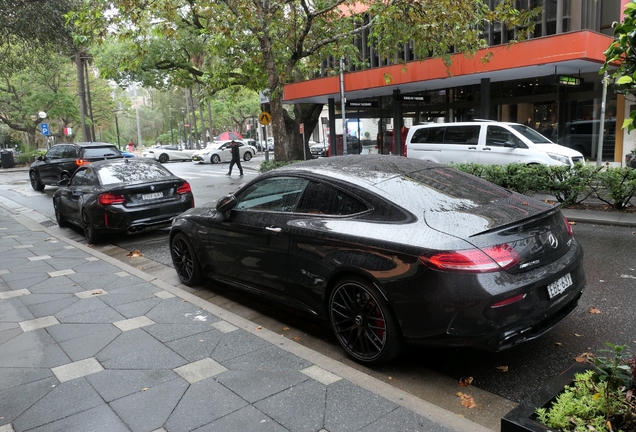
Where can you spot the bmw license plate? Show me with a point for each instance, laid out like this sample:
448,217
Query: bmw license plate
556,288
152,196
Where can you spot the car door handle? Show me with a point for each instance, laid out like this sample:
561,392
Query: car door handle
472,148
487,148
274,229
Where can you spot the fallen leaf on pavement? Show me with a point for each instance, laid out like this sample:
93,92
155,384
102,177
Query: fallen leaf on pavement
467,400
296,338
97,292
558,344
586,356
259,327
465,381
90,245
285,328
593,310
572,222
577,335
502,368
135,254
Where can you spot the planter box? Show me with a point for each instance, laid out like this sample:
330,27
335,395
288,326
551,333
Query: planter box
522,418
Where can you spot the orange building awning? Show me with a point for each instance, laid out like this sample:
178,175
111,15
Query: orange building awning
568,53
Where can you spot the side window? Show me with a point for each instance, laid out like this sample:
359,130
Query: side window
279,194
320,198
54,152
79,178
69,152
462,134
435,135
496,136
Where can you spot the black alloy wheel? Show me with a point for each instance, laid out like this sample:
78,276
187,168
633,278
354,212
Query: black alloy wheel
163,158
65,176
363,322
247,156
61,222
36,183
215,159
185,260
89,230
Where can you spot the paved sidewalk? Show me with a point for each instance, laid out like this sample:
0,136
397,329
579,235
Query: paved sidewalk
88,343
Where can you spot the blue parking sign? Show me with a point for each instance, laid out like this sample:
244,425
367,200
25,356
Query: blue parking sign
45,128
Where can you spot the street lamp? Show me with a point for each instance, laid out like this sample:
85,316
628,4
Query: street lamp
184,130
171,132
117,129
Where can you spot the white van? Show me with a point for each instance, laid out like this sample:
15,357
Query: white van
487,143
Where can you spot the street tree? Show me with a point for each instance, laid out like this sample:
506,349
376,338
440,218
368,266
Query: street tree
267,44
620,60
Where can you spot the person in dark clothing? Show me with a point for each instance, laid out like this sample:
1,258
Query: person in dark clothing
236,158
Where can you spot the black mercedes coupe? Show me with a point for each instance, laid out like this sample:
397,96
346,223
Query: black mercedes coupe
391,251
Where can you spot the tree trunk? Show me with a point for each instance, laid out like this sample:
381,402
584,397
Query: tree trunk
79,62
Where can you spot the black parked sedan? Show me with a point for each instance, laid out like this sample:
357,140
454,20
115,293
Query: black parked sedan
124,195
390,250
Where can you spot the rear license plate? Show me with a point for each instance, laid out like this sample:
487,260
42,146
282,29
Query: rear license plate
152,196
556,288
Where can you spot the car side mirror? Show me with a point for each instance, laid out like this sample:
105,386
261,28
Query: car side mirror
40,158
227,203
510,144
64,182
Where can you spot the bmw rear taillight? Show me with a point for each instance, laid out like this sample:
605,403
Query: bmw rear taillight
491,259
110,198
184,188
568,226
80,162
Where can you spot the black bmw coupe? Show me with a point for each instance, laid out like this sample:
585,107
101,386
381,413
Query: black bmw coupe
391,251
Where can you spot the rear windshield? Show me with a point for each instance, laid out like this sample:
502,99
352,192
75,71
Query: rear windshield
100,152
531,134
131,172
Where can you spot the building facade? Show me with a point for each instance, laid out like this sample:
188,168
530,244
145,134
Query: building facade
550,82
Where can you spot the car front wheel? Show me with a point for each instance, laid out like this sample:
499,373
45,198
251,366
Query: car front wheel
36,183
185,260
363,322
247,156
163,158
215,159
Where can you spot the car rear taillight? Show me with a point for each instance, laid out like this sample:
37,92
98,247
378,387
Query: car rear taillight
494,258
80,162
568,226
110,198
508,301
184,188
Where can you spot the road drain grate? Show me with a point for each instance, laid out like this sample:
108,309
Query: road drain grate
48,224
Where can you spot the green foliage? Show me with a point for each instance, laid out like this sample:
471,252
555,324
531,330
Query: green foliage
597,399
622,51
569,185
581,405
272,164
618,186
614,370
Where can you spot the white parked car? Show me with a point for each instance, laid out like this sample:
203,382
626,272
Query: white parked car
486,143
219,151
165,153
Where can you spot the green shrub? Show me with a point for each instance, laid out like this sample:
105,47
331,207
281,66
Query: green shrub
27,157
597,400
270,165
618,186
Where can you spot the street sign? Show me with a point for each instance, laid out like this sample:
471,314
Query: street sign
265,118
44,127
302,128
